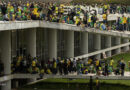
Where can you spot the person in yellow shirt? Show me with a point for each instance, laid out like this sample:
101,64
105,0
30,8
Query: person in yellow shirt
37,70
54,71
77,21
97,83
124,22
89,21
33,63
104,16
105,7
97,65
97,62
42,71
62,10
49,71
111,62
85,71
89,61
35,11
28,4
37,15
56,10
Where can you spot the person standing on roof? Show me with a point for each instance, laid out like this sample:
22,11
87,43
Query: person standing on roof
124,22
104,16
78,10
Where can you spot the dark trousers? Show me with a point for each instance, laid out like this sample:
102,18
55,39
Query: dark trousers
124,27
122,72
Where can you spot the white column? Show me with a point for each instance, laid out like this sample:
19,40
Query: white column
6,56
7,85
31,42
97,45
84,43
108,45
126,48
16,84
69,46
117,42
52,43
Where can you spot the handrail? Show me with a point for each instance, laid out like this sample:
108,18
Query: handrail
102,51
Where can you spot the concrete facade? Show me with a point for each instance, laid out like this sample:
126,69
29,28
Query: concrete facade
18,25
6,56
52,29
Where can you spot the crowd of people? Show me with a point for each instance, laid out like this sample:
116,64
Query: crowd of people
65,66
53,12
25,63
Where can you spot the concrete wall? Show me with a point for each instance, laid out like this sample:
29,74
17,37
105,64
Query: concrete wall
42,24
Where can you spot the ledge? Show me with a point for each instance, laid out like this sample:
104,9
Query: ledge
30,76
18,25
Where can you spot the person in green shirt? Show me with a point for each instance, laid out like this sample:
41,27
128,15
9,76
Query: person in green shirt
1,17
24,17
24,9
128,23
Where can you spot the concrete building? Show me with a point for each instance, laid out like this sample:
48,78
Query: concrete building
52,40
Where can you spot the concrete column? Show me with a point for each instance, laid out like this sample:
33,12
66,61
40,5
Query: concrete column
84,43
97,45
7,85
117,42
16,84
52,43
126,48
31,42
6,56
69,44
108,45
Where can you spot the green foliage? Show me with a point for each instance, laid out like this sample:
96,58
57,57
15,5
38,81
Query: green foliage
125,56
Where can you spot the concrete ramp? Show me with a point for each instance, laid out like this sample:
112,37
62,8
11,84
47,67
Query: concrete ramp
82,76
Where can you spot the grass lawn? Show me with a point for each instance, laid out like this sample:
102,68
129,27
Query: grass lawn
126,57
58,80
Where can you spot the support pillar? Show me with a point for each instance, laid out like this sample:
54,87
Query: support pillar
31,42
16,84
117,42
97,45
126,48
69,44
52,43
6,56
7,85
84,43
108,45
